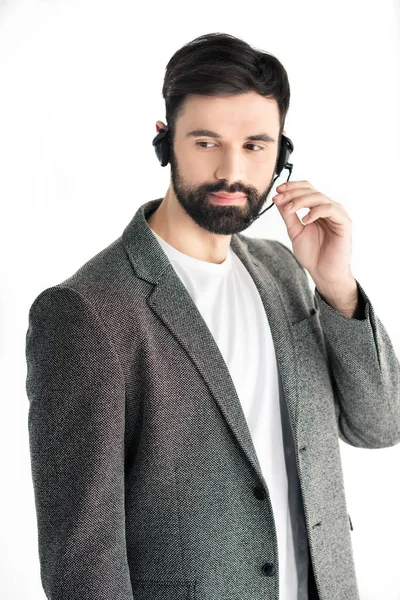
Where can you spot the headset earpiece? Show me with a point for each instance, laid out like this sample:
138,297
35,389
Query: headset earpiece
285,151
161,146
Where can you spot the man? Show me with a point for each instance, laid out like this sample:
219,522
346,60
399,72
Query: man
187,389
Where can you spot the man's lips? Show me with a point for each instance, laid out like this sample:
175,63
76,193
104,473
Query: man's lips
228,196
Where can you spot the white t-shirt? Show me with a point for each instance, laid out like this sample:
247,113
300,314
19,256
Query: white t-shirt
229,303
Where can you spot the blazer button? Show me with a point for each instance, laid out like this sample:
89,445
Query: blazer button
259,492
269,569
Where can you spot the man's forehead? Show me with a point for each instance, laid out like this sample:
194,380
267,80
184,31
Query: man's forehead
221,113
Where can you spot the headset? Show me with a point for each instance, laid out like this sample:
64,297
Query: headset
161,144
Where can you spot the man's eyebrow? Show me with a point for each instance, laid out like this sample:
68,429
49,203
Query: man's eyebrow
263,137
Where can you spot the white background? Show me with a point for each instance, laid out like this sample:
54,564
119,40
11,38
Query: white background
80,92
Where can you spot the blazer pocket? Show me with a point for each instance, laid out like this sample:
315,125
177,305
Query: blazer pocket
351,524
309,337
154,590
303,326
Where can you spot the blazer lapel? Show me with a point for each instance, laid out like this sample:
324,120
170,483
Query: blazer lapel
173,305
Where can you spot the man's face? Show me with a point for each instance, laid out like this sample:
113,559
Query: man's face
202,164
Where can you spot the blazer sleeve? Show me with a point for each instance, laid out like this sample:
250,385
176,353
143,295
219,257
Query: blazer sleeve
366,373
364,368
76,419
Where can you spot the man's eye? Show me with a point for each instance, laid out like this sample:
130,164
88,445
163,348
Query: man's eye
254,145
257,146
199,143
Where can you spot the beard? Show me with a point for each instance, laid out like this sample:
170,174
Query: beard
222,219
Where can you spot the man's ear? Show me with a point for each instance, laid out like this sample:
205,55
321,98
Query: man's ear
160,125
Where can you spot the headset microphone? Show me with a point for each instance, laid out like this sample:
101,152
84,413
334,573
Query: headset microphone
161,145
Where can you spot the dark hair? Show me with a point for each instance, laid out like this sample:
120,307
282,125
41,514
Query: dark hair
222,64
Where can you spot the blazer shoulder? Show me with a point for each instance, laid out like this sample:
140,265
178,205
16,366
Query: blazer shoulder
62,302
101,269
288,273
285,252
97,281
276,254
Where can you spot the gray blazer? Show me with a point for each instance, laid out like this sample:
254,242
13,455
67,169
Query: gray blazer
147,484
